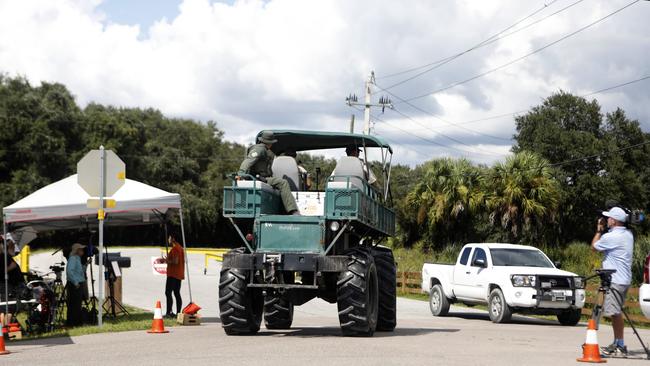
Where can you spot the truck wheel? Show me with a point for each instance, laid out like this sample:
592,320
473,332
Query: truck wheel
240,308
569,317
438,302
357,295
500,311
387,276
278,312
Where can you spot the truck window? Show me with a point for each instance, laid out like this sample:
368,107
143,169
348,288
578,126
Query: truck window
479,254
465,256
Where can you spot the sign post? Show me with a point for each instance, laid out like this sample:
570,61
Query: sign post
110,178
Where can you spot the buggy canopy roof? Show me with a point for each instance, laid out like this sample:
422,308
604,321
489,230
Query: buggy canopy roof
62,205
313,140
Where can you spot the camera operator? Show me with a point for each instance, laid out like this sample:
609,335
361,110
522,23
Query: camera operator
617,245
75,274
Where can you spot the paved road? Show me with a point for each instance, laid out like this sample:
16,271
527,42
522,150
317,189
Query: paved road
466,337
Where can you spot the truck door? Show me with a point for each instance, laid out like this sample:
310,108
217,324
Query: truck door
476,276
461,274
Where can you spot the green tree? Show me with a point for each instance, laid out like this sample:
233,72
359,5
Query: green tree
446,200
523,197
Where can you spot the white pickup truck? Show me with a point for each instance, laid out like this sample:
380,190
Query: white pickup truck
508,278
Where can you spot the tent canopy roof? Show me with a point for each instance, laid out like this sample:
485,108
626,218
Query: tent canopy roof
62,205
316,140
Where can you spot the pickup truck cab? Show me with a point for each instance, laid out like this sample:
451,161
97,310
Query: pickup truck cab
507,278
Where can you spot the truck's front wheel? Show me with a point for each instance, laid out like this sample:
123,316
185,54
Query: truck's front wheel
569,317
357,295
438,302
500,311
278,312
240,307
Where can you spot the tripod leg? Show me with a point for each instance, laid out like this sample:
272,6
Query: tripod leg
597,312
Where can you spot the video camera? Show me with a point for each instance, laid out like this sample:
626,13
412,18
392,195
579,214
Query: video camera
634,217
57,267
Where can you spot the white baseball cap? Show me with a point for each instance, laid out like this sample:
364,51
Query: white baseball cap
616,213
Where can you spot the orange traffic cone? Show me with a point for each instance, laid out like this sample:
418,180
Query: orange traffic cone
590,350
3,351
158,325
4,331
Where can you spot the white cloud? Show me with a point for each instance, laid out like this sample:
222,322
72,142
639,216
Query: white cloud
290,63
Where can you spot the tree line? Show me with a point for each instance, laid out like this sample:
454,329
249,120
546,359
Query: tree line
569,160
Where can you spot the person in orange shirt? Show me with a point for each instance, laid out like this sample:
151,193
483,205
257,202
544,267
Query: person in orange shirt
175,274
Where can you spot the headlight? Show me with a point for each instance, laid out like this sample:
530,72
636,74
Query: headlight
578,282
334,225
523,280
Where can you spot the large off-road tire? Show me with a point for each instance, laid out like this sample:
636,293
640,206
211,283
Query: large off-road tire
278,312
387,277
569,317
357,295
438,302
240,307
499,310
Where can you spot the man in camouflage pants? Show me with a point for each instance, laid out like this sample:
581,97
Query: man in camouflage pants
258,164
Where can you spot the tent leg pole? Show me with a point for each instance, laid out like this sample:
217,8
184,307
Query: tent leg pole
187,268
4,236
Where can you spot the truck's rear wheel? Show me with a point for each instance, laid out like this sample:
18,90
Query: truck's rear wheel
500,311
278,312
569,317
438,302
357,295
387,276
240,307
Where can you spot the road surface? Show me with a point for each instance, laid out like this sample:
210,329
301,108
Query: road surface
466,337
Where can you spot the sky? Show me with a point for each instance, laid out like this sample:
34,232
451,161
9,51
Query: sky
250,65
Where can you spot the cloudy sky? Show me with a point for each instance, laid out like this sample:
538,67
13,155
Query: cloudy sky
250,65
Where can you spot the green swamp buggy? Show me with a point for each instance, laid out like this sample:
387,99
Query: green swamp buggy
331,251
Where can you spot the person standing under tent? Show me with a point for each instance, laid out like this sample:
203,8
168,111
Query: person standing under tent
15,276
76,280
175,274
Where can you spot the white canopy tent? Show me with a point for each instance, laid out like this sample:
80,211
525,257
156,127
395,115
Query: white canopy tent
63,205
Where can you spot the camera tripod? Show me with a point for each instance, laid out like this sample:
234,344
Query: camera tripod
605,276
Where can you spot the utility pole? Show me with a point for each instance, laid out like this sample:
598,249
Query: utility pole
384,102
352,124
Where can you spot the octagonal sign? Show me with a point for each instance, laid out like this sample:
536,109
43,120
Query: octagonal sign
88,176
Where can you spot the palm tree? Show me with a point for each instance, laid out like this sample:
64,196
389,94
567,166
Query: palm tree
523,196
450,192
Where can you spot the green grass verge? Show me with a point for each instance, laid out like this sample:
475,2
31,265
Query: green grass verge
138,319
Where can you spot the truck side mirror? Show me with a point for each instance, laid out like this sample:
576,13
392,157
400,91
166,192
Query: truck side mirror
557,264
480,262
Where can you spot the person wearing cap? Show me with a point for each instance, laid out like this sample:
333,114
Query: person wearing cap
617,244
258,163
353,150
76,278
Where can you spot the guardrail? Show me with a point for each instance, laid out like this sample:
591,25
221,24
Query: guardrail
411,282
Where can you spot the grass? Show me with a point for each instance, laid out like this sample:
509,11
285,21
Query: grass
138,319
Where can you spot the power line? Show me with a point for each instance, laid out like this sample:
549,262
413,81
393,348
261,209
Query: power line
524,56
478,45
494,38
583,96
402,100
434,141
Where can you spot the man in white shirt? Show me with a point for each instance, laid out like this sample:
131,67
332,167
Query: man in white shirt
353,150
617,244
